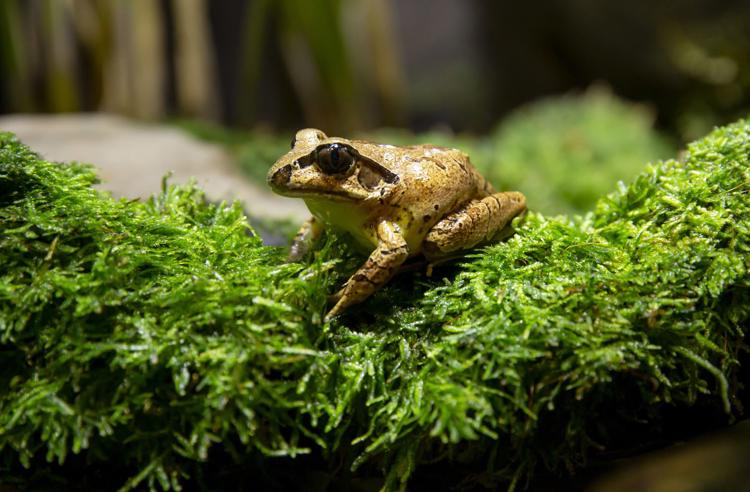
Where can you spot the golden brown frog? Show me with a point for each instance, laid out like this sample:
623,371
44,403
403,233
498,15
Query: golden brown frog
397,202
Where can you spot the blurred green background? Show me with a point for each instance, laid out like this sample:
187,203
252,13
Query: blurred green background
557,99
355,65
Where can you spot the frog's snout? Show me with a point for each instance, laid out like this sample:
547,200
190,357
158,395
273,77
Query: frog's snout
281,176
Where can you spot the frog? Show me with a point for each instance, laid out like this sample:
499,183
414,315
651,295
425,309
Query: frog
396,202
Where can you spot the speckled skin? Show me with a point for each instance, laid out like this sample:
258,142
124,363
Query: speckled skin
396,202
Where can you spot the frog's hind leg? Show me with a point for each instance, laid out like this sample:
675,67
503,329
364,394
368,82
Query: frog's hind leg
478,221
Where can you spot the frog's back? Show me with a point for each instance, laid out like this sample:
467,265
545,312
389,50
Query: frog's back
434,182
441,176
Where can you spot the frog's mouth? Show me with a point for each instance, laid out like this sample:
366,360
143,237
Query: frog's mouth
305,193
333,195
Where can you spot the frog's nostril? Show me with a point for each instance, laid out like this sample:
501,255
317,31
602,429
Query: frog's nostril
282,176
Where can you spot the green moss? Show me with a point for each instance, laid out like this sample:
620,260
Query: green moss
568,151
162,334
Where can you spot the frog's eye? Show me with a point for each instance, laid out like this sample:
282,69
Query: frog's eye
335,158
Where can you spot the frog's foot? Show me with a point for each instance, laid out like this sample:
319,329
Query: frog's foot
377,270
306,236
334,298
478,221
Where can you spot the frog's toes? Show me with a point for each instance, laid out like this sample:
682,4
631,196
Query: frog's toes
335,297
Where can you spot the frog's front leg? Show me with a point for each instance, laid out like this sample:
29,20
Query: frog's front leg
306,236
389,254
478,221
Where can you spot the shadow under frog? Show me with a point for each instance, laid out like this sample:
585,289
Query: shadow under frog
397,202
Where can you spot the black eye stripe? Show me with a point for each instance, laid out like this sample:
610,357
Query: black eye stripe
304,161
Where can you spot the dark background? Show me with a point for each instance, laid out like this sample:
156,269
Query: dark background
360,64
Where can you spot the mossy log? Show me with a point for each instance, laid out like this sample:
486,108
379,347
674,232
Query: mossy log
163,336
